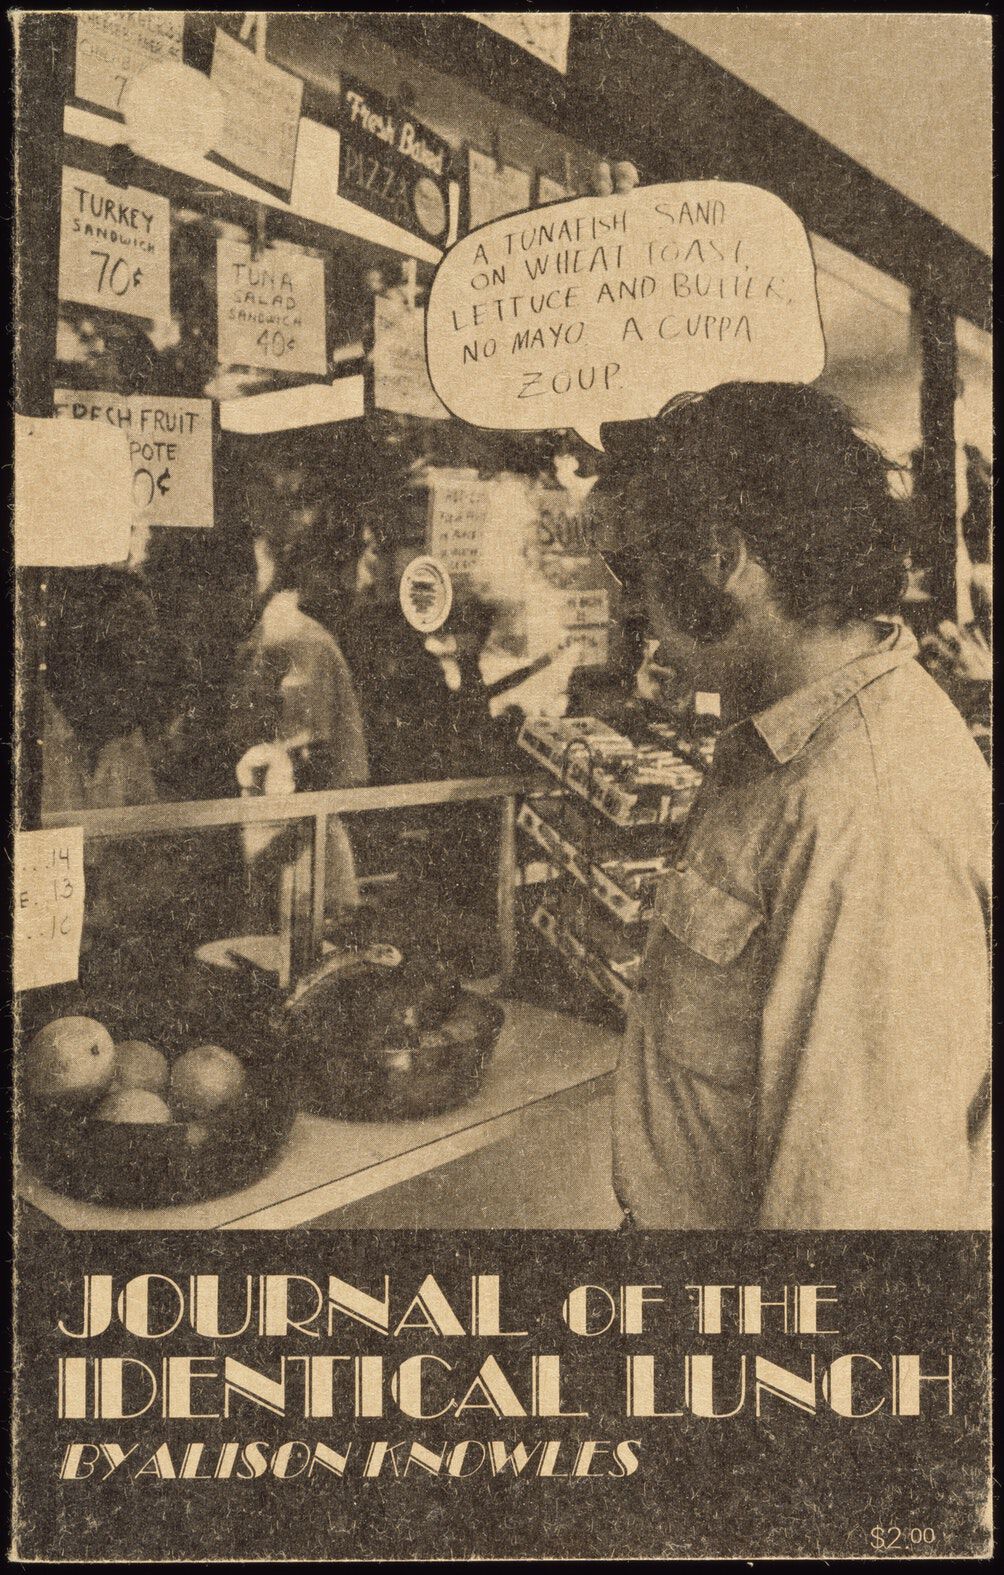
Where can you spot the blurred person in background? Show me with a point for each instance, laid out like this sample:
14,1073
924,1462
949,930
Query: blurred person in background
203,585
108,691
403,696
294,718
808,1047
113,690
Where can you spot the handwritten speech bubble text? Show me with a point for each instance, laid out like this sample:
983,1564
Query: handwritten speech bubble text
604,308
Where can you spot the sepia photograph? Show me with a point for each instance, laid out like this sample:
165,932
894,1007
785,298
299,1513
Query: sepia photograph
502,630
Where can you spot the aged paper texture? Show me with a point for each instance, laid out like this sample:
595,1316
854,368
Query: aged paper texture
502,582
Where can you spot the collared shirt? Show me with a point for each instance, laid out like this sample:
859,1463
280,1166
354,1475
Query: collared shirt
809,1045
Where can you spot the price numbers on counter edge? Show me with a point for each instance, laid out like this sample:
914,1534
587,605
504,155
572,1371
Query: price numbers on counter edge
901,1539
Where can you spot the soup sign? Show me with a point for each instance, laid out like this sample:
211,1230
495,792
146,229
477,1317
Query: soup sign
604,308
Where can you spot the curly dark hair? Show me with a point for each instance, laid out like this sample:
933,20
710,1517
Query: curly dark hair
111,666
785,466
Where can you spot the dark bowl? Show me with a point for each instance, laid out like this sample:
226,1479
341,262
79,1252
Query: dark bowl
408,1082
360,1062
137,1165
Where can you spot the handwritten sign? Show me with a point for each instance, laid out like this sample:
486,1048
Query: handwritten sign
549,190
400,376
114,247
261,118
561,523
48,906
391,164
459,512
115,46
584,607
72,495
544,34
270,309
170,443
605,308
588,647
495,190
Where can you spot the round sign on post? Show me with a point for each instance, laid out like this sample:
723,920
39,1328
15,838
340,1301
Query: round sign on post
426,594
429,205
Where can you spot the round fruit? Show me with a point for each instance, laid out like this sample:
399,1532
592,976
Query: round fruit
71,1060
133,1106
139,1065
204,1081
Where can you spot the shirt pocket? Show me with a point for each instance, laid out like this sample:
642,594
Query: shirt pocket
700,991
705,919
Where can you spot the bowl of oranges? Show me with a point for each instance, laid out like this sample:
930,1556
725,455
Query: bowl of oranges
152,1120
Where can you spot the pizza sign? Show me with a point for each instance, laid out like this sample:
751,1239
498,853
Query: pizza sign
393,165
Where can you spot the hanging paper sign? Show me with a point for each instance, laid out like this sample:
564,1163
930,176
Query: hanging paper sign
495,190
48,906
562,524
400,375
544,34
426,595
549,190
392,164
170,450
72,495
262,113
115,46
590,647
114,247
584,607
271,309
459,511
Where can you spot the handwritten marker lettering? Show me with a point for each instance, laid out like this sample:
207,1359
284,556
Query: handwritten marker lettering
604,308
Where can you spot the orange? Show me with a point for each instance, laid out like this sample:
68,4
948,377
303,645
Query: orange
71,1060
139,1065
133,1106
205,1081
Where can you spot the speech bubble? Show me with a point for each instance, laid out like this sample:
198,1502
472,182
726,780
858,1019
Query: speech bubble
605,308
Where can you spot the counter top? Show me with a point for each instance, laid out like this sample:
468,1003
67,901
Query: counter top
541,1055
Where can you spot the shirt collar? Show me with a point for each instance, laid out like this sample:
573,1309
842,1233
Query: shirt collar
787,726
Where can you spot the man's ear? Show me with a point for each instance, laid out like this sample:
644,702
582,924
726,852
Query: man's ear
729,560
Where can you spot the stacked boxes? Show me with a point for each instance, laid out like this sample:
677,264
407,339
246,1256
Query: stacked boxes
595,911
648,784
623,883
608,956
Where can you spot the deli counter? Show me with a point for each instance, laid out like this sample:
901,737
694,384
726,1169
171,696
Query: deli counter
524,1143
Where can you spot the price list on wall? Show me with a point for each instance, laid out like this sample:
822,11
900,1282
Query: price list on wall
459,518
400,374
48,906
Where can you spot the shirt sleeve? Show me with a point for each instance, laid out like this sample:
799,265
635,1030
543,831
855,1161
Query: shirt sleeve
353,765
874,1040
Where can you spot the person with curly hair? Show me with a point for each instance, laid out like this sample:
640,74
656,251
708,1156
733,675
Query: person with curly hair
809,1044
